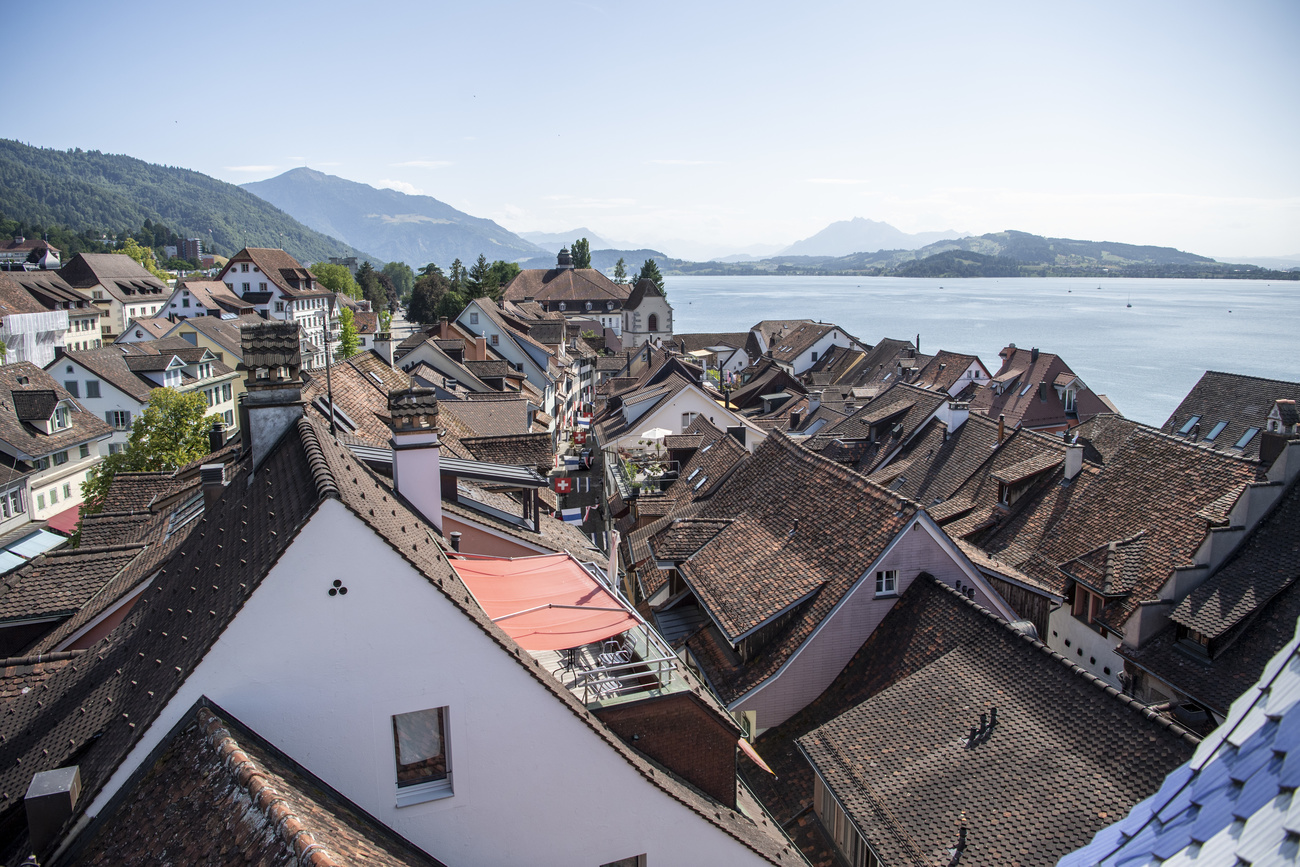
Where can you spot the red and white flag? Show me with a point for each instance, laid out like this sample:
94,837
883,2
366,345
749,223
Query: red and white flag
562,484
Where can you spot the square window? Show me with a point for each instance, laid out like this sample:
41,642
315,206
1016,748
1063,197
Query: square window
73,387
887,582
92,388
420,745
85,450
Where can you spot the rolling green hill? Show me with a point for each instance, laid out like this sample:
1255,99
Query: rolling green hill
112,192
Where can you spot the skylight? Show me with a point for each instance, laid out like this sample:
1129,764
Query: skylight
706,448
1024,391
1246,437
1191,422
695,472
700,483
1218,429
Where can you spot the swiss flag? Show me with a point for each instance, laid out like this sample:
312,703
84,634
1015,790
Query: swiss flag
579,436
562,485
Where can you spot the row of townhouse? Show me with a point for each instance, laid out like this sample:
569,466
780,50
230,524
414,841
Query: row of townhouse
184,677
810,584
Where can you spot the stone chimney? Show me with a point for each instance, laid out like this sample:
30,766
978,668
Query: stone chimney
564,261
217,436
1033,355
814,401
273,399
444,328
1073,460
212,477
416,465
385,347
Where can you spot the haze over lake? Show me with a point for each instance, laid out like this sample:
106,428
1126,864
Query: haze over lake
1145,358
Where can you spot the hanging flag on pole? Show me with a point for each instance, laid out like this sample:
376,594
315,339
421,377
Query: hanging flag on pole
580,437
562,484
571,516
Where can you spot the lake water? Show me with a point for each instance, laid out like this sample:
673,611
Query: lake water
1145,358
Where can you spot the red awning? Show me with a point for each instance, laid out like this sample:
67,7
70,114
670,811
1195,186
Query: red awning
66,521
545,603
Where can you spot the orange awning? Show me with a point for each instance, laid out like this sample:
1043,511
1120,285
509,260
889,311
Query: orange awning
545,603
749,750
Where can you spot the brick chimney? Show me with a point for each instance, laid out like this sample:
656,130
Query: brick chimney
273,401
416,466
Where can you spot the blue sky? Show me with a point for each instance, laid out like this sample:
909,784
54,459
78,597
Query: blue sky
708,128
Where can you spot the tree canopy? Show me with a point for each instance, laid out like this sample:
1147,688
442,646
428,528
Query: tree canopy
434,297
349,339
620,271
336,278
581,253
144,256
170,433
651,270
402,276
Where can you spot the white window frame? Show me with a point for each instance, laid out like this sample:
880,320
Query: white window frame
886,582
432,790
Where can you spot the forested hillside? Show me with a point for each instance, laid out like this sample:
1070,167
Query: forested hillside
111,193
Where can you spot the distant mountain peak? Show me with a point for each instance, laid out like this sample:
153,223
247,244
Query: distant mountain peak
862,235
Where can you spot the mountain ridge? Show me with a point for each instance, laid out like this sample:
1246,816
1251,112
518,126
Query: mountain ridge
861,235
394,225
98,192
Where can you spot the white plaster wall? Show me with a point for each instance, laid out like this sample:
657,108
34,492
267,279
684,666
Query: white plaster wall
506,348
320,677
821,347
842,633
968,377
1086,644
109,398
669,417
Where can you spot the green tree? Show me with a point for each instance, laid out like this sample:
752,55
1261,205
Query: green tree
479,280
457,276
170,433
144,256
651,270
620,271
402,276
336,278
349,339
432,296
503,273
581,254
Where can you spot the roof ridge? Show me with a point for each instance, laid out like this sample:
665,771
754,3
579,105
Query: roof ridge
38,658
326,486
276,810
1199,445
1132,703
1247,376
844,473
96,549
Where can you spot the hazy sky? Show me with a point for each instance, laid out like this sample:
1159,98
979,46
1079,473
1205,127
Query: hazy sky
706,128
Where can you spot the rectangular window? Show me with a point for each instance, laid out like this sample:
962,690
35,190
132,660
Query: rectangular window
60,458
688,418
67,490
73,387
887,582
1191,422
473,318
495,339
279,307
85,450
230,418
243,266
1246,438
92,388
15,502
261,287
185,302
40,501
54,496
115,448
62,417
420,744
243,286
1214,434
120,419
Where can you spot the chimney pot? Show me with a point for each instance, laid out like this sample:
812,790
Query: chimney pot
795,418
1002,428
984,721
993,715
217,436
50,800
1033,353
455,540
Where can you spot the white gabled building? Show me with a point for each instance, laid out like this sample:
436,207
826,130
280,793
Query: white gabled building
276,285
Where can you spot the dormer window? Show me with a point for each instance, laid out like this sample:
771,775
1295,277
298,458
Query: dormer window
62,418
1069,400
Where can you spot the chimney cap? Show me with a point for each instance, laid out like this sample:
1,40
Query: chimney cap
411,402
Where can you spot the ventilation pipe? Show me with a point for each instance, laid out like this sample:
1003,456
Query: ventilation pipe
1002,428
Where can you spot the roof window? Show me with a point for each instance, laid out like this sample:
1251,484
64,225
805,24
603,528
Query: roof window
695,472
1191,422
1214,434
700,483
1246,438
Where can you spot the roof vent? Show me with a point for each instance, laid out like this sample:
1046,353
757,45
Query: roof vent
1033,354
50,800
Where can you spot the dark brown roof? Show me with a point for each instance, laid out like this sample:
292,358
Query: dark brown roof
1102,435
888,736
900,407
939,461
694,342
279,267
945,370
60,582
1021,399
14,297
570,285
788,344
216,793
522,450
1264,565
1154,485
935,663
120,275
1241,401
26,438
491,414
784,543
683,537
19,675
643,287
